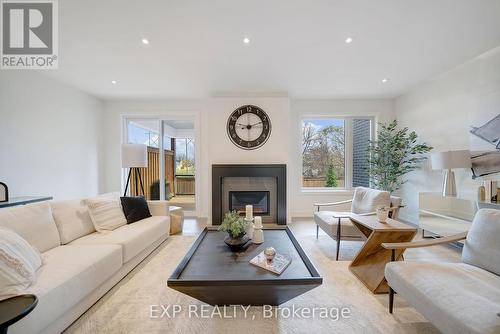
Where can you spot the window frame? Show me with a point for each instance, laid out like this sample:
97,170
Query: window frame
348,153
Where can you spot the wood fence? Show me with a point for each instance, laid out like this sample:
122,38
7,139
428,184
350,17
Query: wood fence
318,182
184,185
151,175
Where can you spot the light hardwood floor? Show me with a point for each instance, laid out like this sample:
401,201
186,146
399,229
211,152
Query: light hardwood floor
126,308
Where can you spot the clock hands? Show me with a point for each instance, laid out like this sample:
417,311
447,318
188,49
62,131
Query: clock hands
248,126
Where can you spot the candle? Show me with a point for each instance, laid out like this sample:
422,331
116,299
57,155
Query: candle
249,211
258,222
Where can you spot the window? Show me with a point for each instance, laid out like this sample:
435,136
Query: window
146,132
184,156
323,153
335,152
143,132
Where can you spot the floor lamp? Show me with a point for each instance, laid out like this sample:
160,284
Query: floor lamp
134,157
446,161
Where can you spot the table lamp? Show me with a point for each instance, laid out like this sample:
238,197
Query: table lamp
447,161
134,156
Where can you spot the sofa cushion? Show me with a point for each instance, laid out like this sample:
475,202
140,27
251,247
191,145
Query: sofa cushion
133,238
455,297
68,275
72,219
367,200
482,246
327,223
34,223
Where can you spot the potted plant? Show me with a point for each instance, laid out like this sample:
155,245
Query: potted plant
395,153
235,226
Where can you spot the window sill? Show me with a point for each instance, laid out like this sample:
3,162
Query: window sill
326,191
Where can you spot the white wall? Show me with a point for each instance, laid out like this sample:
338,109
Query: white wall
215,146
49,137
441,112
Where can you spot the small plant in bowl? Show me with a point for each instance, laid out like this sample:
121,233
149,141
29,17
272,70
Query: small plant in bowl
235,226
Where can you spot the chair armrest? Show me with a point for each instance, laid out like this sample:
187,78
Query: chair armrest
332,203
425,243
159,208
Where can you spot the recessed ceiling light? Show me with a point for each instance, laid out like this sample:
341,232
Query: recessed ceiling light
145,41
385,80
348,40
114,82
246,40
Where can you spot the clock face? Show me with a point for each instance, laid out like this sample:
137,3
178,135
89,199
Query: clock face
249,127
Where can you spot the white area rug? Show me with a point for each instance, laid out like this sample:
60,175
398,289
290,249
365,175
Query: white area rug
126,308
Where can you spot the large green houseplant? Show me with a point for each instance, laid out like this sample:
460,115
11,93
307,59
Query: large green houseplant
393,154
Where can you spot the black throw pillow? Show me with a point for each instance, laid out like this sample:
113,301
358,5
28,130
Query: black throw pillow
135,208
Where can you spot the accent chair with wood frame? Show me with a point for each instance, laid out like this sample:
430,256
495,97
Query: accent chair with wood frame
364,202
459,297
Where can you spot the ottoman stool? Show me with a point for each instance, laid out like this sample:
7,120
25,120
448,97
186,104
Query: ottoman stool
176,219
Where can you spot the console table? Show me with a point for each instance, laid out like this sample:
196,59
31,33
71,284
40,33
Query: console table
14,201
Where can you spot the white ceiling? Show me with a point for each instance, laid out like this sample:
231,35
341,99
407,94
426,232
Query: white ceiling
297,48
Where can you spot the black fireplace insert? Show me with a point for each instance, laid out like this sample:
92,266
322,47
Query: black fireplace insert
260,200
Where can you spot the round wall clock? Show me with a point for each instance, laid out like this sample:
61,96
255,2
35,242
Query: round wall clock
249,127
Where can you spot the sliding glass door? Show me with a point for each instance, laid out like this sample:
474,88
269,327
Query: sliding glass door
171,172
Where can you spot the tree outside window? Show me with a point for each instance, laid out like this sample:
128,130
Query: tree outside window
323,153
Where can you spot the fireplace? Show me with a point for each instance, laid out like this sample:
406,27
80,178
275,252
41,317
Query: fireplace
258,199
263,186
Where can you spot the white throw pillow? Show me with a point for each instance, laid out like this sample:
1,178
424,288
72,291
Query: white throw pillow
106,214
72,219
19,262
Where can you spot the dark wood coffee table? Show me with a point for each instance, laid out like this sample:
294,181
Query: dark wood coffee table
210,272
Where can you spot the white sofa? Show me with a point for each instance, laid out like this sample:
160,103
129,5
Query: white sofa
79,264
455,297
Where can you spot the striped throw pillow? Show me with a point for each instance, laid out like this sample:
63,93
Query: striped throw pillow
106,214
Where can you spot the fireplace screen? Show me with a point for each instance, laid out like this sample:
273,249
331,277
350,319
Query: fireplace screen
258,199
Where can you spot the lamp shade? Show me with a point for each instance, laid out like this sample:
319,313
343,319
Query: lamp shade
134,155
451,159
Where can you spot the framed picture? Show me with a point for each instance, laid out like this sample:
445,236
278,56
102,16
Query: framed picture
4,192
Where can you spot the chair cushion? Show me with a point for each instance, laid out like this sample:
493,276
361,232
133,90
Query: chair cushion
327,223
482,246
455,297
19,262
367,200
68,275
34,223
72,219
133,238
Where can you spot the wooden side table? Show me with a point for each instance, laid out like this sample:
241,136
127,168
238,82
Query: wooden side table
369,264
14,309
